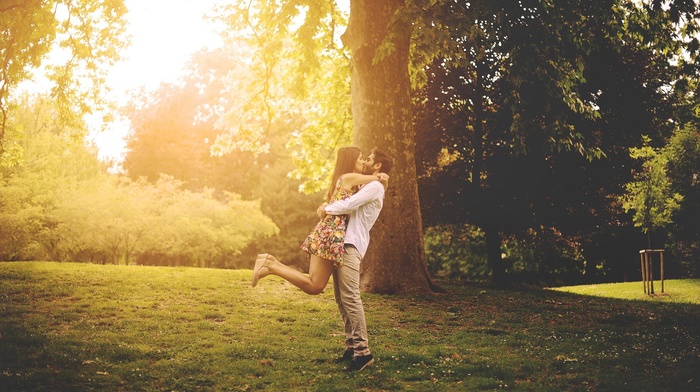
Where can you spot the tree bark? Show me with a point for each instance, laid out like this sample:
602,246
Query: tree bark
493,250
395,261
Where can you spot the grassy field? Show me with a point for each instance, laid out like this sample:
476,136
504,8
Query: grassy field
675,291
78,327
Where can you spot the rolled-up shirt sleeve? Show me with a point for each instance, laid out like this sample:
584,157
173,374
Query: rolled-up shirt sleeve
365,195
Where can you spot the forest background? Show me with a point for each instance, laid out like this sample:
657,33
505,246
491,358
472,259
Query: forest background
565,130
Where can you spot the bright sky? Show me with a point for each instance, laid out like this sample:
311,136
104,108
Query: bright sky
164,33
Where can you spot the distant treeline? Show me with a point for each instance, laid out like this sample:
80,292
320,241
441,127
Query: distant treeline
59,203
110,219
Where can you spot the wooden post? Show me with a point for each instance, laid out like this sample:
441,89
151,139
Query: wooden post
650,272
641,267
647,266
662,271
645,271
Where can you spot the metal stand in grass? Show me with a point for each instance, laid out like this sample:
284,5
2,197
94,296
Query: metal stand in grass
648,270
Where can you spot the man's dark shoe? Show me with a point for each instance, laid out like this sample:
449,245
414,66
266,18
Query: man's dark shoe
347,357
359,363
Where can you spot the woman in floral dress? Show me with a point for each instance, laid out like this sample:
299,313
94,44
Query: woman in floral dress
325,244
327,239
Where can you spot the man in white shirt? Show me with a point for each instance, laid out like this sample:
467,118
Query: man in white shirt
363,209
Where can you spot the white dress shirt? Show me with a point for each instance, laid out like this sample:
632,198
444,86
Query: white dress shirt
363,210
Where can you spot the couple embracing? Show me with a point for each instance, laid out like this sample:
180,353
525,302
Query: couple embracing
338,243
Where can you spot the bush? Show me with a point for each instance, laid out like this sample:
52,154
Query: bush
456,253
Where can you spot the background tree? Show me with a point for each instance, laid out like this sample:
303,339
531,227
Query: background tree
291,210
381,92
313,46
683,171
85,37
529,108
650,195
60,204
525,110
294,72
174,127
53,163
195,228
528,79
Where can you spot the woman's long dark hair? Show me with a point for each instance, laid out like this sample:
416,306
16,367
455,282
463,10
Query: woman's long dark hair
345,163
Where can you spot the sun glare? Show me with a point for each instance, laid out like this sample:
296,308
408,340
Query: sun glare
164,34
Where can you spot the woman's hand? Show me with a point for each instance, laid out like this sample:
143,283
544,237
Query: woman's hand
384,179
320,210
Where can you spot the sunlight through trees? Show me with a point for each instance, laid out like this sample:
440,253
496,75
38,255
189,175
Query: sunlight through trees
511,124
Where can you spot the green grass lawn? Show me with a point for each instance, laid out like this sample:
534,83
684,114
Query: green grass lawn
675,291
79,327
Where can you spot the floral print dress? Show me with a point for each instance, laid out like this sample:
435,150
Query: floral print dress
327,240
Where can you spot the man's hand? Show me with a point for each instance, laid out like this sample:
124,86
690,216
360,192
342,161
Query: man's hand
384,179
320,210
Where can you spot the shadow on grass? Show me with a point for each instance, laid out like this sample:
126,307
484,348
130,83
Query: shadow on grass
76,327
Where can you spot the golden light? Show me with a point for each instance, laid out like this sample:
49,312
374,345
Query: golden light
164,34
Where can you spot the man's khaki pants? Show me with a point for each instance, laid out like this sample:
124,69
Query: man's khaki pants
346,286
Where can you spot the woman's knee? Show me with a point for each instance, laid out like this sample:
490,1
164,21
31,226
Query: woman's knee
315,290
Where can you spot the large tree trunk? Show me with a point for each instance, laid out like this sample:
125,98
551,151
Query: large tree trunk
395,261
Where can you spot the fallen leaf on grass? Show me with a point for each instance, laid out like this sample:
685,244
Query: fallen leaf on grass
266,362
565,359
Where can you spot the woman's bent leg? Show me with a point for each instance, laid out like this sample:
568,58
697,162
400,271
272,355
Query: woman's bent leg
320,271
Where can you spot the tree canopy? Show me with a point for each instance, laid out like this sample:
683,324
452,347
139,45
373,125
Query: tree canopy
511,124
526,109
60,204
74,40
